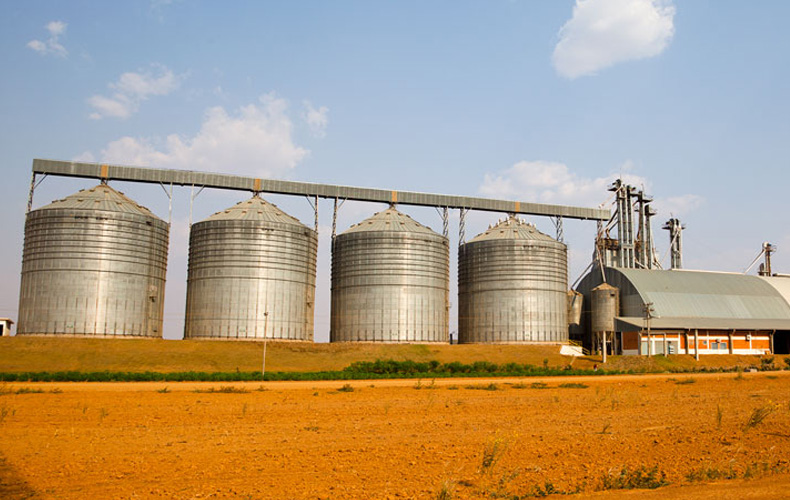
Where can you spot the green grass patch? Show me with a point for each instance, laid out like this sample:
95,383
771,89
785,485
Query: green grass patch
361,370
573,385
483,387
223,389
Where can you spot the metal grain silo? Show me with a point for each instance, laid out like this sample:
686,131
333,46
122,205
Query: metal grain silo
251,275
94,263
512,284
390,282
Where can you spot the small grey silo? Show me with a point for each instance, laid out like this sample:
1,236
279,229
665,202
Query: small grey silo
512,284
94,263
251,275
390,282
605,305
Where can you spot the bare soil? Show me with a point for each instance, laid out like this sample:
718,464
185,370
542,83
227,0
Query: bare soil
465,438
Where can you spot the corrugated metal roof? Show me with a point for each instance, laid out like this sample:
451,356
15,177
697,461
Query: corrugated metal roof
101,197
701,294
780,284
390,220
255,209
512,228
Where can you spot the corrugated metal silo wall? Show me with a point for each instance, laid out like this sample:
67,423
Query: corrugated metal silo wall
605,307
390,286
512,291
241,269
90,272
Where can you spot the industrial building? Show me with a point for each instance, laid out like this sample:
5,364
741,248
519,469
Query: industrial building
690,312
633,307
93,264
251,275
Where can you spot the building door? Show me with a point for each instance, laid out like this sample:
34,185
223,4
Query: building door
782,342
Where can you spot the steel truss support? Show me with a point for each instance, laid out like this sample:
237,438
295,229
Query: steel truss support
558,227
192,196
462,225
170,203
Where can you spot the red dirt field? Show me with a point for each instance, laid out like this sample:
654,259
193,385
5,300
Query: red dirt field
459,438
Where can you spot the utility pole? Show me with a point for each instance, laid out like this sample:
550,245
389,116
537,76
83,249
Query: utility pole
649,310
265,329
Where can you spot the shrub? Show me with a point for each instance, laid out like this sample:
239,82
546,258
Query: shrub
708,473
492,452
641,478
757,416
574,385
483,387
767,363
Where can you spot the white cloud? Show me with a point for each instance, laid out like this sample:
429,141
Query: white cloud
555,183
52,44
551,182
56,28
602,33
85,156
256,140
131,90
679,205
316,119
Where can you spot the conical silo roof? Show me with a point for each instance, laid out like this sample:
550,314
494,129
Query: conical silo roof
512,228
255,209
390,220
101,197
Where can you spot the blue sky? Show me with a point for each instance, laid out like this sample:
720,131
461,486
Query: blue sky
534,100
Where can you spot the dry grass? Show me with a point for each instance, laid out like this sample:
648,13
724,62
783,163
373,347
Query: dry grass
34,353
63,354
